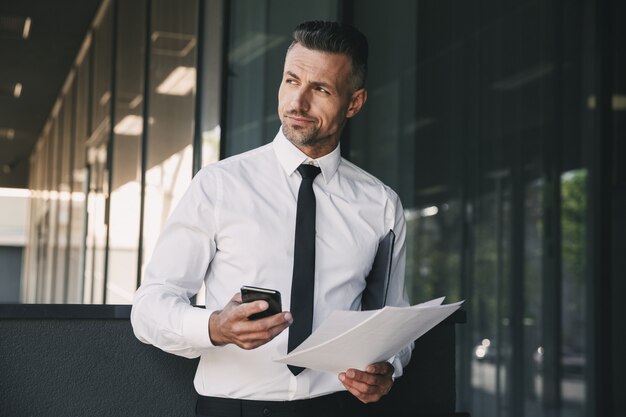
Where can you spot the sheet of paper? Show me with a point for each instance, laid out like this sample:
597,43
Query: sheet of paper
355,339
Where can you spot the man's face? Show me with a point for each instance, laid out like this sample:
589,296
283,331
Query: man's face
315,99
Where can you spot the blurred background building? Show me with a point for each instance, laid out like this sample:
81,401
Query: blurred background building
501,124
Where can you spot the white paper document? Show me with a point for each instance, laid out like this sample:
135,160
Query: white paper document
356,339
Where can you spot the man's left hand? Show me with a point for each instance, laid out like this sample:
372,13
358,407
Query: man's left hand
371,385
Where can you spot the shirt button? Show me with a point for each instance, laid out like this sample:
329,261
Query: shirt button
267,412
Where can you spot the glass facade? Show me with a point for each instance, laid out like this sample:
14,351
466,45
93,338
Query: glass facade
125,200
169,152
483,116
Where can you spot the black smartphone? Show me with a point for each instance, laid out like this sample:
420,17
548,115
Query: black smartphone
249,294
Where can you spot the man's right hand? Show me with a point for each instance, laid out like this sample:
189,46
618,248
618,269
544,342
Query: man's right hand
231,325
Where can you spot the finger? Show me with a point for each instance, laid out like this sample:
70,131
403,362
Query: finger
233,303
380,368
253,307
360,386
278,319
368,383
283,319
254,339
253,333
277,322
363,377
364,397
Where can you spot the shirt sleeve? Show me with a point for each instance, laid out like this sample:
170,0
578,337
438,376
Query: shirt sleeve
162,314
396,293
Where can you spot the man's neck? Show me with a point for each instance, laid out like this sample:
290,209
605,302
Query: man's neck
317,151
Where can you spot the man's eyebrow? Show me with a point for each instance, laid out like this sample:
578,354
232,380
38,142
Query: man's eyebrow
317,83
322,84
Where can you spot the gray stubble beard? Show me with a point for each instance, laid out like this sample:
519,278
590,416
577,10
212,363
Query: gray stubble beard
299,137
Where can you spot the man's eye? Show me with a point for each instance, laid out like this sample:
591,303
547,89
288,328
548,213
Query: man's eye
290,81
323,90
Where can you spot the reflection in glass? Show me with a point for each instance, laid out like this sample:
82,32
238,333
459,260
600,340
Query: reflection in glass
123,243
451,115
397,138
165,185
533,321
101,82
172,97
51,214
575,312
125,198
490,297
97,177
65,201
36,185
41,221
97,172
78,227
211,94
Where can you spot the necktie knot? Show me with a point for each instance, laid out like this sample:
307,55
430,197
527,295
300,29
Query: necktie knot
309,172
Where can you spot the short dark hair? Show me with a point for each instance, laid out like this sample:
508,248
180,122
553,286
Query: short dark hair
337,38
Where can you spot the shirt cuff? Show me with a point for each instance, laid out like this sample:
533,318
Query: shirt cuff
196,327
398,369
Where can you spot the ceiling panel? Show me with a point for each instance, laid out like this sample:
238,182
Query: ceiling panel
40,64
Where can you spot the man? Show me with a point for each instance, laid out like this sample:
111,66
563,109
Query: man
239,224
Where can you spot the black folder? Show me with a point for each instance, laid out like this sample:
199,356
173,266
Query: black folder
377,282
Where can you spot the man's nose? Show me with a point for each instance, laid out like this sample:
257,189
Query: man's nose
300,101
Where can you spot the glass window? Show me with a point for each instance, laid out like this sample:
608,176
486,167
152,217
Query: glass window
101,82
490,303
462,120
125,198
42,220
51,213
573,350
172,97
97,171
534,290
96,228
63,215
29,264
78,183
210,112
36,185
403,134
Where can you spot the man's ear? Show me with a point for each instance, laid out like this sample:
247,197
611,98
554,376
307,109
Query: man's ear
358,99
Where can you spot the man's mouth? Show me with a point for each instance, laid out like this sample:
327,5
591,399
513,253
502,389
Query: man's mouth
299,120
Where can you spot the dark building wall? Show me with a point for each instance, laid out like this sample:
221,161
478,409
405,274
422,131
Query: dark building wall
10,273
89,367
56,365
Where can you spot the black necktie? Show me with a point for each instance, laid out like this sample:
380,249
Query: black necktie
303,280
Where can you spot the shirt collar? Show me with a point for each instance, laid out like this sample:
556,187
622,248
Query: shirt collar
291,157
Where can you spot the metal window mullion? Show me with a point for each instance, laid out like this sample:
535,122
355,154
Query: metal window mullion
110,146
144,136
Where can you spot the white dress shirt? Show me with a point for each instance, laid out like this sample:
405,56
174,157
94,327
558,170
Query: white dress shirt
235,226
